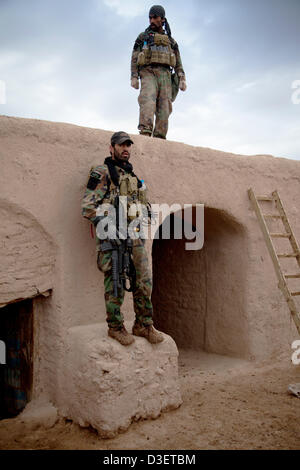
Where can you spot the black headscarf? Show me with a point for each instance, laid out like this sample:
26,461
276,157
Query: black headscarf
126,166
158,10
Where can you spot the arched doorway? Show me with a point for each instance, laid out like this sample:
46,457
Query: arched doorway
199,296
27,255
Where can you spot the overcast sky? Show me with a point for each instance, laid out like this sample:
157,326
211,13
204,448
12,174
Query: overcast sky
69,61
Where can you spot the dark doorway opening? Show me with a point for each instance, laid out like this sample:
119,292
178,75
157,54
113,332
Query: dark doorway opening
16,331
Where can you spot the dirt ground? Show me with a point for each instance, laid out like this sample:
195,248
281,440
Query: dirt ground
227,404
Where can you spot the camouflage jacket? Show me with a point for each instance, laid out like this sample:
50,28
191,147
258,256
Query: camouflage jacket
138,45
97,187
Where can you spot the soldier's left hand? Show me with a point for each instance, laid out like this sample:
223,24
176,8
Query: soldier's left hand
135,83
182,84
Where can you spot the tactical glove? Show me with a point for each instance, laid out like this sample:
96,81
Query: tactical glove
135,83
182,84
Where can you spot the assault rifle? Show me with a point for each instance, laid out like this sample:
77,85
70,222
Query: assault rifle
122,264
123,268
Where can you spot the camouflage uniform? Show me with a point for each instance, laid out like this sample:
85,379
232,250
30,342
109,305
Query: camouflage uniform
142,292
156,90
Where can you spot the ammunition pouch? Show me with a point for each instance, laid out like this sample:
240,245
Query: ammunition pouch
160,52
128,185
161,39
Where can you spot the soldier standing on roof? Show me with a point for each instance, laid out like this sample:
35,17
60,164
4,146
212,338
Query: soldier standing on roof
155,54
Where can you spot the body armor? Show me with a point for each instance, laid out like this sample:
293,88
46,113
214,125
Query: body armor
128,186
157,51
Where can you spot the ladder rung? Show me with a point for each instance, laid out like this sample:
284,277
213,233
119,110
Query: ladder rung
264,198
280,235
292,276
271,216
287,255
295,293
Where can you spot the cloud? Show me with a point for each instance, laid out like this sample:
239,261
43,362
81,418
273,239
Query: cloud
253,117
47,67
72,64
245,87
10,59
127,9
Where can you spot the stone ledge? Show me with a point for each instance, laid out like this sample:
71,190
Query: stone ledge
107,385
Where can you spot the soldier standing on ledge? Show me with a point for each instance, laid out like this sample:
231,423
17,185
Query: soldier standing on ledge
106,183
155,54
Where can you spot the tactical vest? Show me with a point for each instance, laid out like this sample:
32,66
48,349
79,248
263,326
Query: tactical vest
128,186
158,51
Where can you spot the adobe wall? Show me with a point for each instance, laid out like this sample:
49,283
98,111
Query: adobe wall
223,299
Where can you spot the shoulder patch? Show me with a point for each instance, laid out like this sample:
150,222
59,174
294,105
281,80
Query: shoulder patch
94,180
95,174
98,174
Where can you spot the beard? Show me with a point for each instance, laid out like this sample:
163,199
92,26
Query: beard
122,157
154,27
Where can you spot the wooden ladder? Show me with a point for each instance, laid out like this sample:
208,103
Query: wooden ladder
287,234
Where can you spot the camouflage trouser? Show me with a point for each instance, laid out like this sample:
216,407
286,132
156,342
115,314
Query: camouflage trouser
141,295
155,98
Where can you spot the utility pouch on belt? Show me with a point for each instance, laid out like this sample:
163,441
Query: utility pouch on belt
172,60
141,59
143,196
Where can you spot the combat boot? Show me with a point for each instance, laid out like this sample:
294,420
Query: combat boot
148,332
147,134
121,335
